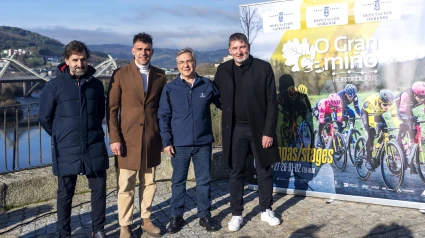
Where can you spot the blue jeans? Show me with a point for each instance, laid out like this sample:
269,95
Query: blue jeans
201,157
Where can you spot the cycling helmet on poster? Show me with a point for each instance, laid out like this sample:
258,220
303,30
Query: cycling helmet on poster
292,92
418,89
302,89
350,89
334,100
386,96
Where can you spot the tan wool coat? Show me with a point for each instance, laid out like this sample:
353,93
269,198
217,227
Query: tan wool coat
132,116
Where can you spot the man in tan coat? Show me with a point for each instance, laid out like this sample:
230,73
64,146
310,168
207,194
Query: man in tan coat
133,99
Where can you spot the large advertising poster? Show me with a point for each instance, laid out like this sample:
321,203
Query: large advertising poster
350,79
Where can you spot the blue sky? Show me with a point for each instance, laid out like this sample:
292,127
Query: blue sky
200,24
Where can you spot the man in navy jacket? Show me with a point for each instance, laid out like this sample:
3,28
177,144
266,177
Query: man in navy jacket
186,132
72,107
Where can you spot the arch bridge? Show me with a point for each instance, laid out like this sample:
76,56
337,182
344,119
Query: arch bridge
33,79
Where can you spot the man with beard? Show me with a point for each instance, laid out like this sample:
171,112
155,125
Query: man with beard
72,107
249,104
133,99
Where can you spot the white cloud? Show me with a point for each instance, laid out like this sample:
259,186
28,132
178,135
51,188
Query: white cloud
194,37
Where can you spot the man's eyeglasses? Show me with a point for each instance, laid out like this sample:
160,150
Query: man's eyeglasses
186,62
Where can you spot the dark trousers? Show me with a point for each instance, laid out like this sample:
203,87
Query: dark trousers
242,141
201,158
371,132
66,189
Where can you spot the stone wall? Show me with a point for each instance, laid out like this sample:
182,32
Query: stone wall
36,185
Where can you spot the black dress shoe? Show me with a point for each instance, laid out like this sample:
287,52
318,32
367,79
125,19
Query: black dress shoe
175,225
209,224
99,234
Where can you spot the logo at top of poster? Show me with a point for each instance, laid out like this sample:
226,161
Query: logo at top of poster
377,5
344,55
326,11
376,10
280,16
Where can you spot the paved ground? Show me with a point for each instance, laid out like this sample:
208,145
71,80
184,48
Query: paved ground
301,216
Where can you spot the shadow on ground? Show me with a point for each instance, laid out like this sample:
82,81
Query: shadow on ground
391,230
81,223
15,217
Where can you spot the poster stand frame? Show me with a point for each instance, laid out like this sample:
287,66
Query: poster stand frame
349,198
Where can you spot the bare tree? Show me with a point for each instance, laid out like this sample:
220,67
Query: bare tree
250,23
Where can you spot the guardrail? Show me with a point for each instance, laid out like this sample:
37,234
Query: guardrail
17,122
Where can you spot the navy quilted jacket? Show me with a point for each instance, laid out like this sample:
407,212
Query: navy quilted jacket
71,111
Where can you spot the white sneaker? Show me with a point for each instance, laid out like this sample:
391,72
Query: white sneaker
235,223
269,217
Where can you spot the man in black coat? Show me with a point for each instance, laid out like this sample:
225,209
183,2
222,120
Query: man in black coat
72,107
249,103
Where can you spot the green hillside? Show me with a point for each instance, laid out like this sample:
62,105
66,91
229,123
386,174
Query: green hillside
39,46
162,57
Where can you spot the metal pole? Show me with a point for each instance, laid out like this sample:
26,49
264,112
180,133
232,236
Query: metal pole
24,88
14,142
5,144
29,140
39,134
16,135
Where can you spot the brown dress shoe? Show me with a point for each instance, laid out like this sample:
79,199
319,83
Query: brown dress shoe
148,227
125,232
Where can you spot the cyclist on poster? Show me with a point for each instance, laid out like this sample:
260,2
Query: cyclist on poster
348,96
406,101
372,118
324,110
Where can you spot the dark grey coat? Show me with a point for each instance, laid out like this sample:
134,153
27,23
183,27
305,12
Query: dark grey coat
261,102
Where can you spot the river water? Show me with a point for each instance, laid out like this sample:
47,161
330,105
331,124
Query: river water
34,144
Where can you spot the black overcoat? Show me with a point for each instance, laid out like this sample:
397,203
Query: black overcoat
259,90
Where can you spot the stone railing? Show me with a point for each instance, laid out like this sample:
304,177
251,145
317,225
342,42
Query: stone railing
32,186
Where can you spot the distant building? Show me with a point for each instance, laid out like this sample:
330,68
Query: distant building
54,61
227,58
10,52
